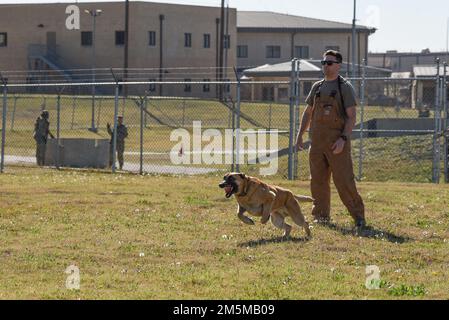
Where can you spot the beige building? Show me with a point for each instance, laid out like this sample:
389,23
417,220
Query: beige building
161,37
166,42
271,38
405,61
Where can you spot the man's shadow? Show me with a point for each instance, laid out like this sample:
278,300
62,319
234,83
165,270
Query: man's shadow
368,232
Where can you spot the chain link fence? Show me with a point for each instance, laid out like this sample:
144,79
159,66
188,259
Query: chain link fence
203,126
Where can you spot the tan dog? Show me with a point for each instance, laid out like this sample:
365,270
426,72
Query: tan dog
263,200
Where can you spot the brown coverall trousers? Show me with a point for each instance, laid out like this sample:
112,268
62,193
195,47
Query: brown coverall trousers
326,127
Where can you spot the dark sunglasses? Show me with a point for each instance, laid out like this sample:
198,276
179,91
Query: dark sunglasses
328,62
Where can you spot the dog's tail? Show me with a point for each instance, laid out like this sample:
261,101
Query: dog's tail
303,198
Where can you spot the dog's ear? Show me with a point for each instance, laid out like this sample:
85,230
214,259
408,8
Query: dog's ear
242,175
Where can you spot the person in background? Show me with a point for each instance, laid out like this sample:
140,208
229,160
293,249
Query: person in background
40,135
122,133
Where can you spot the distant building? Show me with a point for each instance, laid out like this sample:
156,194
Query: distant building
34,37
161,36
271,38
404,61
424,87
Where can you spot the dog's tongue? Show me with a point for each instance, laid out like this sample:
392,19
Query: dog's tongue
228,189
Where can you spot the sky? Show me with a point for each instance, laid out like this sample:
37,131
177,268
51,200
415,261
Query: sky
406,26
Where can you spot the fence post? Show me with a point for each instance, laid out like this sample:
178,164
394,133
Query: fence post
114,136
73,112
297,118
146,110
13,116
142,124
445,127
270,112
436,144
233,119
362,114
100,101
292,120
237,125
58,129
5,105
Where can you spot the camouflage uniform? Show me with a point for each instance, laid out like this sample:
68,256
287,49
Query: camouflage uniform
122,133
41,132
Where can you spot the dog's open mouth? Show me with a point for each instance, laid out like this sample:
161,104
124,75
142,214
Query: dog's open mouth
228,189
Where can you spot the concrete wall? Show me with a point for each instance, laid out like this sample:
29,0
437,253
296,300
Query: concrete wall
78,153
418,124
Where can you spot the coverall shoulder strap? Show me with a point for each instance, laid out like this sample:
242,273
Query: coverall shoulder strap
340,81
318,88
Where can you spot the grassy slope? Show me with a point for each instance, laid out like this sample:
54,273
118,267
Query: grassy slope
195,247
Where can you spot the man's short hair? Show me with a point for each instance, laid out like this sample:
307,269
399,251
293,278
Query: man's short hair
335,54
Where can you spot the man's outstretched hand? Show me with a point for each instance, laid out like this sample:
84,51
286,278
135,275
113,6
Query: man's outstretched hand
299,145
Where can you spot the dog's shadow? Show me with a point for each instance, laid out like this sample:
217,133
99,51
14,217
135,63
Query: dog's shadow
265,241
369,232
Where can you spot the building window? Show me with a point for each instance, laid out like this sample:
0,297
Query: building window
206,86
3,39
187,40
187,86
86,38
152,38
152,86
242,51
336,48
120,38
302,52
206,42
227,41
273,51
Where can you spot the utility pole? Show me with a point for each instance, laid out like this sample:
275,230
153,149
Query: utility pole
226,48
94,13
353,43
125,66
220,74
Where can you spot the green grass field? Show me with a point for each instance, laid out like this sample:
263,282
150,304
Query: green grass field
177,237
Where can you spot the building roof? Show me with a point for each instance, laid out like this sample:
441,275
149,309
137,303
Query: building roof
401,75
281,69
308,68
429,70
263,20
423,53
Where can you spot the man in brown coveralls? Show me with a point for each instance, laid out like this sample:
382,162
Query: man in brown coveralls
331,116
